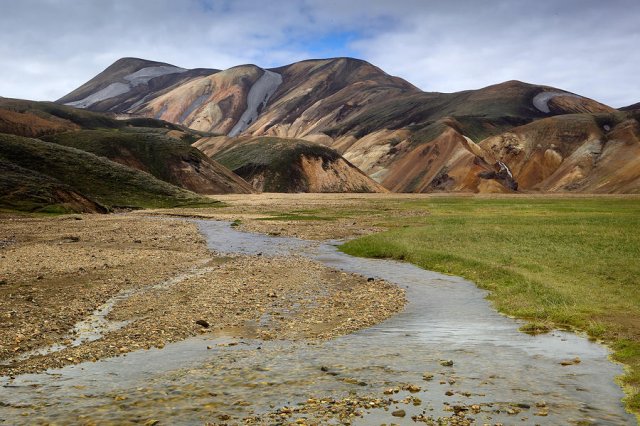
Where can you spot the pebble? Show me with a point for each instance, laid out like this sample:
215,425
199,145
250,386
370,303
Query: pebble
399,413
427,376
574,361
412,388
202,323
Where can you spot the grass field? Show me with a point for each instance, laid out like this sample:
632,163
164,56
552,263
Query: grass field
556,262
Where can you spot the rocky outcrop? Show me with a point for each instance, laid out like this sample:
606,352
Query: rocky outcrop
578,153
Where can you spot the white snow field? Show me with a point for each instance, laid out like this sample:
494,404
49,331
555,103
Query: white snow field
145,74
541,100
137,78
112,90
259,94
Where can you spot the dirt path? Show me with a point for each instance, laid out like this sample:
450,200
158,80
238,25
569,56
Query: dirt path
54,272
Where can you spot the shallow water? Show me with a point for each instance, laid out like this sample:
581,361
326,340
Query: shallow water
447,318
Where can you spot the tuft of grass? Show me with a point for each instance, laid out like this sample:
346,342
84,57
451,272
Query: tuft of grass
534,328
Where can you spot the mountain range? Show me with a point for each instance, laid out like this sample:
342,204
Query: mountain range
327,125
494,139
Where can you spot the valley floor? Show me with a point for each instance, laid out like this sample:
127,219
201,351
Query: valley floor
556,261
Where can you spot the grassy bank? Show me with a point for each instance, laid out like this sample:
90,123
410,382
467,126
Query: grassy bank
556,262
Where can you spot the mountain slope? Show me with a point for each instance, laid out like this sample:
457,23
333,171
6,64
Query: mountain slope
77,180
214,103
157,147
595,153
164,157
289,165
127,82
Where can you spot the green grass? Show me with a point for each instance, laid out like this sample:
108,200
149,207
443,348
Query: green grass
562,262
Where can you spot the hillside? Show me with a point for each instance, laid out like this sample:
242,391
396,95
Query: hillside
633,107
42,176
23,189
153,151
291,165
157,147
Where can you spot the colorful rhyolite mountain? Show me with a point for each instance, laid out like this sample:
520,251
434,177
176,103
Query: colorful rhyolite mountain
501,138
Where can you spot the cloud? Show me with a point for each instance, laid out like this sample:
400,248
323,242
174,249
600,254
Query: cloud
49,47
586,48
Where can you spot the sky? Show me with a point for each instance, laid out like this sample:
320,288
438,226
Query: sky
50,47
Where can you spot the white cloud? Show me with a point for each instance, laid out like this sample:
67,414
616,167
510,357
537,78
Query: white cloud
49,47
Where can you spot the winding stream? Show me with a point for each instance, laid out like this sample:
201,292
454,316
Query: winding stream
447,318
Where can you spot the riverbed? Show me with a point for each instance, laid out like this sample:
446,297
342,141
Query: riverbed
476,363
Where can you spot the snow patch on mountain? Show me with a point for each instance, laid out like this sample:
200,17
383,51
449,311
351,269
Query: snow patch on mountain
257,99
541,100
145,74
112,90
137,78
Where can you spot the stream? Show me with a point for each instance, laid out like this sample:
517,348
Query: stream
447,318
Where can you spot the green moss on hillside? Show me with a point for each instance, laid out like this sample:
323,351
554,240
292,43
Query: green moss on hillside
99,179
145,149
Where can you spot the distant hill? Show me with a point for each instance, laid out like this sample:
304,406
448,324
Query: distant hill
633,107
290,165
